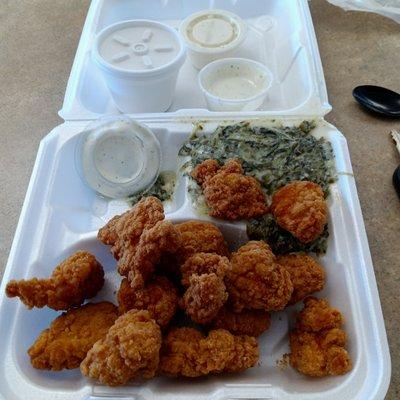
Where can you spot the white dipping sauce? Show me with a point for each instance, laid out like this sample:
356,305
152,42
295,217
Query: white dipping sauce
120,158
236,82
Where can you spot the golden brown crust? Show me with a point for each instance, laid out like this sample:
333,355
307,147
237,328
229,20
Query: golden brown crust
229,193
306,274
71,335
129,350
318,344
317,315
301,209
204,297
186,352
77,278
247,322
159,297
204,263
160,239
200,237
123,231
256,281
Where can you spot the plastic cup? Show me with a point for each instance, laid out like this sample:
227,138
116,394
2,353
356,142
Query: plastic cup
211,35
235,84
140,61
117,156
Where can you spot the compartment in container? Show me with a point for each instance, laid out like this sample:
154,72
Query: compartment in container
278,36
349,286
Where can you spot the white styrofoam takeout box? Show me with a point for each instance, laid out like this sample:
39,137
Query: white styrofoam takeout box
61,215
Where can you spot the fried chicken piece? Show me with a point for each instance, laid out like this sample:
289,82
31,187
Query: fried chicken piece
123,231
200,237
301,209
204,297
71,335
159,297
186,352
138,266
204,263
77,278
318,315
206,170
318,344
247,322
256,281
306,275
228,192
129,350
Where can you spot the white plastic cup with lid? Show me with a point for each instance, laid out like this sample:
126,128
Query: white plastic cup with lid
117,156
140,61
212,34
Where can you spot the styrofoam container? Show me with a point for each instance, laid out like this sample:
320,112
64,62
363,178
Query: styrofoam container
56,222
212,34
61,214
235,84
140,61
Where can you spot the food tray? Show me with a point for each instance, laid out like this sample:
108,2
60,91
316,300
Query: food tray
280,35
61,215
56,221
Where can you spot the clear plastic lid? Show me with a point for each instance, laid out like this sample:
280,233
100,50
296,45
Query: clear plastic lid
118,157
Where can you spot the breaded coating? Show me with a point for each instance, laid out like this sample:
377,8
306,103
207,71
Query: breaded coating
319,349
256,281
204,263
129,350
77,278
306,274
71,335
247,322
186,352
317,315
229,193
159,297
204,297
301,209
123,231
200,237
206,170
162,238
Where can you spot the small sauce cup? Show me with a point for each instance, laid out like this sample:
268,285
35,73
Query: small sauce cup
235,84
118,157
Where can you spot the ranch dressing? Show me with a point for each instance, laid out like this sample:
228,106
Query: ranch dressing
119,157
236,82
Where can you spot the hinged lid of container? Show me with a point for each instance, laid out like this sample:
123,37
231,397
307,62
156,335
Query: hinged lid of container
279,34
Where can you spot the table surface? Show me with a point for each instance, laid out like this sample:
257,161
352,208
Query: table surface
356,48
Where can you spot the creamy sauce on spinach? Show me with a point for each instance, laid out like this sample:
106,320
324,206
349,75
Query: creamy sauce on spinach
163,188
275,156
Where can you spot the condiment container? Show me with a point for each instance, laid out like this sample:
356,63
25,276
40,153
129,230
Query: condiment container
118,157
211,35
235,84
140,62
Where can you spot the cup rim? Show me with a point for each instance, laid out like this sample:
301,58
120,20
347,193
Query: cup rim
218,50
164,69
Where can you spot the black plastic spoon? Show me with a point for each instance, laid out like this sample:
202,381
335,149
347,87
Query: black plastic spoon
378,99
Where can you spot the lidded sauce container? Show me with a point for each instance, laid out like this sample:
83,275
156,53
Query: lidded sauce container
140,62
212,34
118,157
